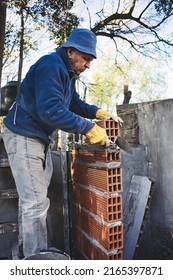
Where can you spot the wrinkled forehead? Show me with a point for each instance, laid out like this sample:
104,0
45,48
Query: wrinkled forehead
86,56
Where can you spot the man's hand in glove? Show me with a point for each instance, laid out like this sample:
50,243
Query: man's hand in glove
101,114
97,135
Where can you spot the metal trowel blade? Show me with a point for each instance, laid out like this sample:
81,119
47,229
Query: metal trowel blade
123,144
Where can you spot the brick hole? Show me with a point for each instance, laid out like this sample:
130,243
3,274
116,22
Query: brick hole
109,156
109,172
110,217
118,156
111,124
113,156
119,178
110,189
119,228
107,124
115,229
110,238
118,171
114,179
110,180
119,215
114,238
115,216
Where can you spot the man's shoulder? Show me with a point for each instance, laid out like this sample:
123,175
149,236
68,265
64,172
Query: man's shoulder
52,57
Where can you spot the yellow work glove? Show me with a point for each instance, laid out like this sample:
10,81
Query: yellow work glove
101,114
97,135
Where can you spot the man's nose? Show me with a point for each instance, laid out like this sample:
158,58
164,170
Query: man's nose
87,64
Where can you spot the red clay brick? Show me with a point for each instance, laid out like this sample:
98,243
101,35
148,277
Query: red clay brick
107,156
112,128
89,248
107,207
105,179
97,184
110,236
96,156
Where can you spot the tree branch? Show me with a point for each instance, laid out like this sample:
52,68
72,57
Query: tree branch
89,15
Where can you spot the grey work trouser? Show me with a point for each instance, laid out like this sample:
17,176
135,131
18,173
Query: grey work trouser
32,176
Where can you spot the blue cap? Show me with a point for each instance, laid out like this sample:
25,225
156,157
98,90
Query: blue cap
84,40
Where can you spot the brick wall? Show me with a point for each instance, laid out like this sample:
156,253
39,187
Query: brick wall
97,188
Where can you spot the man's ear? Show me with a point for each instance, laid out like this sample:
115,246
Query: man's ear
70,51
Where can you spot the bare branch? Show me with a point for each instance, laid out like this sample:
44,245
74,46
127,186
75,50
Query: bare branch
151,27
132,7
144,10
89,15
127,27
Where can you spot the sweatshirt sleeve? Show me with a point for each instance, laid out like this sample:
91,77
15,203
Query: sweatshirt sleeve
82,108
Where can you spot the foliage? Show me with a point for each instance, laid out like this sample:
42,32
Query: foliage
105,85
57,16
27,19
165,6
147,82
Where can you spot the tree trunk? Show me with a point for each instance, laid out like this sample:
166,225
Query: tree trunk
2,32
22,27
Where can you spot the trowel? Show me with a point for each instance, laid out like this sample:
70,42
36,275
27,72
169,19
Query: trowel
118,141
123,144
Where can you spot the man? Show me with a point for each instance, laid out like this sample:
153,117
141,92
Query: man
47,100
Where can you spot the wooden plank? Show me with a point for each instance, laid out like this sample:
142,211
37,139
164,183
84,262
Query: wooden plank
135,204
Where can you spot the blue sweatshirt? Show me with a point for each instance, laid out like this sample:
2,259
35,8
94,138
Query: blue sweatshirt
47,100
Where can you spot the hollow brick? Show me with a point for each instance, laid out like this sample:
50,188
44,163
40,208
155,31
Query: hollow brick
92,251
96,156
109,235
112,128
105,179
107,207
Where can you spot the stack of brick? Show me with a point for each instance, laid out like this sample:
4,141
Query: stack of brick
97,187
